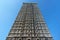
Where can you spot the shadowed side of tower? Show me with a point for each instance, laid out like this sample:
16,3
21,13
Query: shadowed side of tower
29,25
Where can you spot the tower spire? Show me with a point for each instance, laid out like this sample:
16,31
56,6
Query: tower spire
29,25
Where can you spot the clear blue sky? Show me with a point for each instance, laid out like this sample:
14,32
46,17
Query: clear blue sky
50,10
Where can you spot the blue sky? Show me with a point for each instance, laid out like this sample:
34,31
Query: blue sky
50,10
